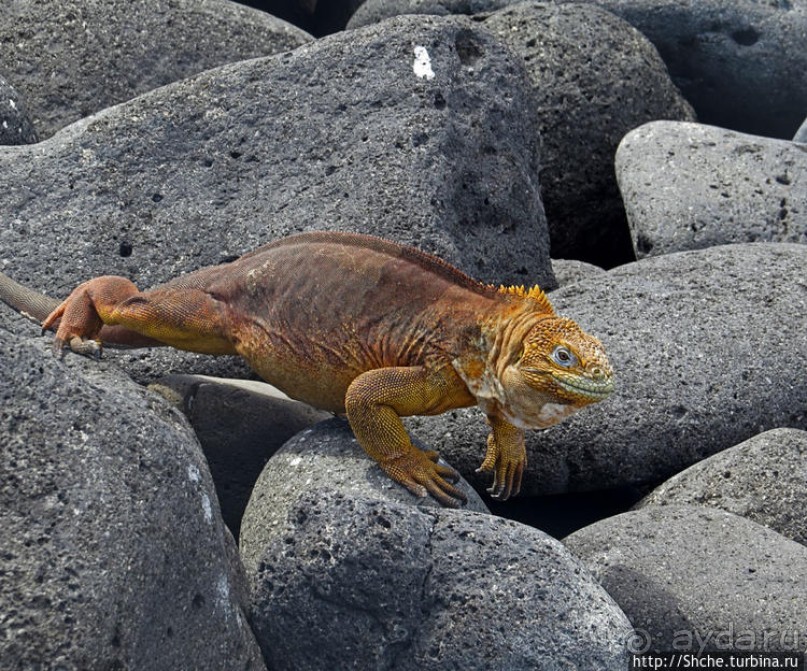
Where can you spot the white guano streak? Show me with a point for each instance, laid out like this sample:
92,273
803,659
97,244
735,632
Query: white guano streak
423,64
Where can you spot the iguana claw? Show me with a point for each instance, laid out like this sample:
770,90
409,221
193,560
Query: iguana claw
83,346
422,474
506,457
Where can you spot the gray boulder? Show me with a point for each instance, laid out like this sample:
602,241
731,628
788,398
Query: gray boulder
763,479
240,424
73,58
741,63
15,124
569,271
355,573
595,78
324,458
696,579
350,133
689,186
708,350
114,552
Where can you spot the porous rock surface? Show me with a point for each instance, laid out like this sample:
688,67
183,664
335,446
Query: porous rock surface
114,553
569,271
763,479
345,134
15,123
717,187
73,58
708,350
695,579
411,585
595,78
741,63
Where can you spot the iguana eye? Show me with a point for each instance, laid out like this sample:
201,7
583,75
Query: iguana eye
563,356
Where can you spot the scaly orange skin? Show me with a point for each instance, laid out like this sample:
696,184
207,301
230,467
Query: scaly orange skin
358,325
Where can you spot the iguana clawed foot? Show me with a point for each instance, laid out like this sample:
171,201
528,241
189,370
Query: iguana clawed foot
84,346
422,475
506,456
76,323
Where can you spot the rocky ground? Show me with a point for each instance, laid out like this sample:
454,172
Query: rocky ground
642,159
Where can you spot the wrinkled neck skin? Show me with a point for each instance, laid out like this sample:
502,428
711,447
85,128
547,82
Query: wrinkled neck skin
491,360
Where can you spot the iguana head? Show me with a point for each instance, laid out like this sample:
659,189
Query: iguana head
557,370
532,367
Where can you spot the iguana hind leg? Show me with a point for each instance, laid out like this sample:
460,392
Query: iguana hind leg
182,317
375,402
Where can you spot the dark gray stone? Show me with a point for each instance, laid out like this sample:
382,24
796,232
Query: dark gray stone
708,350
15,124
763,479
695,579
328,458
569,271
355,573
373,11
689,186
114,552
73,58
741,63
595,78
343,135
240,424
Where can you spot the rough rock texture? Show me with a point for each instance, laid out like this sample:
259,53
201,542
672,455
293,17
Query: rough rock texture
689,186
15,124
373,11
568,271
708,350
114,552
763,479
741,63
73,58
694,579
240,424
344,135
595,79
410,586
327,459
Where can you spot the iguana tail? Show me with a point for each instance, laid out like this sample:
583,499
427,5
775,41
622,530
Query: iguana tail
26,301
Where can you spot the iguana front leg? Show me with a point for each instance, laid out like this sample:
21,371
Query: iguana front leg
506,456
375,402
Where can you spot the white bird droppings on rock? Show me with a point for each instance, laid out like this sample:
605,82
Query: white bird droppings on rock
207,508
423,64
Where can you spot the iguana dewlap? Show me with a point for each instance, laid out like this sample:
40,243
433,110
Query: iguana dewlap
358,325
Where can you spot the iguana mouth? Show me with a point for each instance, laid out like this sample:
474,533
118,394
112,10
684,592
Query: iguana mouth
586,387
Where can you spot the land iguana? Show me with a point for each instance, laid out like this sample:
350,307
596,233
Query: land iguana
358,325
